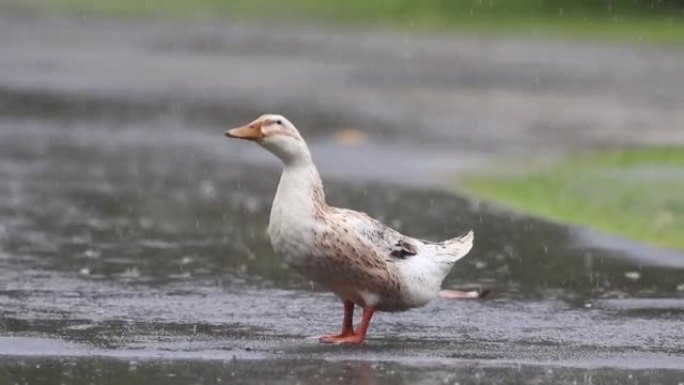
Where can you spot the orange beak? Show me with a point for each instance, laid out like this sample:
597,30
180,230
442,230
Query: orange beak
251,131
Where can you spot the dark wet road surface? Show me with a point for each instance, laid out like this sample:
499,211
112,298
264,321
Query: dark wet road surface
133,250
136,250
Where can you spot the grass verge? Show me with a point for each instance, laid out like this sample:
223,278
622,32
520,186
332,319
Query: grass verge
623,21
634,193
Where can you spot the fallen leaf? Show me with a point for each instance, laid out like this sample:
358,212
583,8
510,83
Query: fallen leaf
350,136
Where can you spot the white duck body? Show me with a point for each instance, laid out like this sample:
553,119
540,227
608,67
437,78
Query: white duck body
293,221
356,257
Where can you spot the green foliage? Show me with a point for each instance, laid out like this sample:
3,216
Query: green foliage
636,193
660,21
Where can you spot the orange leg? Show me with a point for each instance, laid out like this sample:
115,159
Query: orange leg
347,324
357,337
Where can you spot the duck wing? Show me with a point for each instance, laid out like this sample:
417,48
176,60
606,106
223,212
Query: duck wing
387,242
370,263
395,246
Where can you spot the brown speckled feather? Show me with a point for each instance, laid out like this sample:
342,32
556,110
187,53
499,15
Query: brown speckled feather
355,250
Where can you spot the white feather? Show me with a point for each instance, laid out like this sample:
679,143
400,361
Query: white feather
355,256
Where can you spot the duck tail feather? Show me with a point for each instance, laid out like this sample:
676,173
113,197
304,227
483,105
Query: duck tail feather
456,248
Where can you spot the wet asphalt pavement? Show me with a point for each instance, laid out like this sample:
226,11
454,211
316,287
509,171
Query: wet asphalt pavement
132,233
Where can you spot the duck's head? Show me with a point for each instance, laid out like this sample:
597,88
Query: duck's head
276,134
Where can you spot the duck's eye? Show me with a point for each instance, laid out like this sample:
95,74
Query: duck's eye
279,122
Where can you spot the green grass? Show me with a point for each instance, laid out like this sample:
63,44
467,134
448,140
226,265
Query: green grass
624,20
634,193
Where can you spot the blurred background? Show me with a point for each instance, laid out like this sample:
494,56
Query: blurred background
132,232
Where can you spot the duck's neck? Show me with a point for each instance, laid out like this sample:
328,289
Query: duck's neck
300,189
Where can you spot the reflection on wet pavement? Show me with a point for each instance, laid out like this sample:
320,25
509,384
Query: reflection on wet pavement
133,250
107,371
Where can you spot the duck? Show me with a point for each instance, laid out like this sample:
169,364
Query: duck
361,260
